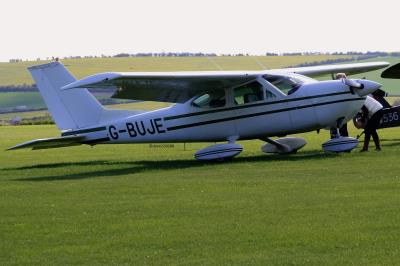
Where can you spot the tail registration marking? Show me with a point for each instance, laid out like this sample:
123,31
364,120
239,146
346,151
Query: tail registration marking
138,128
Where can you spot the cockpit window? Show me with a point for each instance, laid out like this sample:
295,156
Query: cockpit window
248,93
269,94
287,85
212,99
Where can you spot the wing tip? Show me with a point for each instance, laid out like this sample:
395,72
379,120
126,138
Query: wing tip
392,72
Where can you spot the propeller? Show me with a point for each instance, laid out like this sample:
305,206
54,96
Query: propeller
353,84
392,72
362,87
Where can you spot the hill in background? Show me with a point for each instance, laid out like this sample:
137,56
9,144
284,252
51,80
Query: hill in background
19,94
17,74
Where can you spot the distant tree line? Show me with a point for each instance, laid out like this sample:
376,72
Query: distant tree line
330,61
18,88
15,60
33,88
356,56
165,54
20,109
187,54
371,54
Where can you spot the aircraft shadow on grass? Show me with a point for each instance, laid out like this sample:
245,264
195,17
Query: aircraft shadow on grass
136,167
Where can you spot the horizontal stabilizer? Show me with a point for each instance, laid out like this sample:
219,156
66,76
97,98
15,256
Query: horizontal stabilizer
49,143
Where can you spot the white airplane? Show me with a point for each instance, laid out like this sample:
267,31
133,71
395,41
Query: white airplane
210,106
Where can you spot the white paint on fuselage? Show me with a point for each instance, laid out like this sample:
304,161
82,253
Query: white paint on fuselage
313,106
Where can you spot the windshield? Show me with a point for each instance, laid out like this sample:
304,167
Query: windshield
286,84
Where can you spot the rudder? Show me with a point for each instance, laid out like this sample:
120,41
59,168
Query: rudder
70,109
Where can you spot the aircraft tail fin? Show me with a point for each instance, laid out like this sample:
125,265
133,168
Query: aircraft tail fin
70,109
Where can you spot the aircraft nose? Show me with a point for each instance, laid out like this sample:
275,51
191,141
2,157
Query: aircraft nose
368,87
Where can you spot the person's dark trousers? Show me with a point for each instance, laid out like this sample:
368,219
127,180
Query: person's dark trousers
370,129
343,131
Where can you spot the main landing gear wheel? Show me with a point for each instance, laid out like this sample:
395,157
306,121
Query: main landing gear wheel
283,145
219,152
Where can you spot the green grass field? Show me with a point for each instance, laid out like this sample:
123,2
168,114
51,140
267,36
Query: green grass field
137,205
156,205
10,100
17,74
31,100
129,106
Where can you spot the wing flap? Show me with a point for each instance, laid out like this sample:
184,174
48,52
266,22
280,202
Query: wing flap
49,143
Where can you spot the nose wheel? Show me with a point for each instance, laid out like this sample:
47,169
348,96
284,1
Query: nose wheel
339,143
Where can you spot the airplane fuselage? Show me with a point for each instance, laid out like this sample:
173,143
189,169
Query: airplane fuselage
210,106
314,106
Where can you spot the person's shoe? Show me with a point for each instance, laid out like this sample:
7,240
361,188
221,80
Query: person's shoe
363,150
378,149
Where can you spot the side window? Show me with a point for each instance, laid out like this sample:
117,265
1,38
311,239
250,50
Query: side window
212,99
248,93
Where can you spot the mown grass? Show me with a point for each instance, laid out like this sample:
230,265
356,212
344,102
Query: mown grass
127,106
17,74
133,204
10,100
9,116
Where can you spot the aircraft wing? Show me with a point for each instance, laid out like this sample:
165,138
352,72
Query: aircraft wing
349,69
178,87
392,72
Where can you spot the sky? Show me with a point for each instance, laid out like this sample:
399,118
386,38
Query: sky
59,28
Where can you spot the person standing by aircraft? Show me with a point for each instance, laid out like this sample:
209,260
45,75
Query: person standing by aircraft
374,111
379,96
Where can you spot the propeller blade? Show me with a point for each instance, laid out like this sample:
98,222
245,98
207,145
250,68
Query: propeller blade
353,84
392,72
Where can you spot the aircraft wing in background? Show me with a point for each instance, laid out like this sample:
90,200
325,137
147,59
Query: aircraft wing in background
392,72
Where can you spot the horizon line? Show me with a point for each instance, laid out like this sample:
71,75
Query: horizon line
200,54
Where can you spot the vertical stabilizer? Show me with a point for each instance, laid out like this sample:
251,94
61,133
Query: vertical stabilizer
70,109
